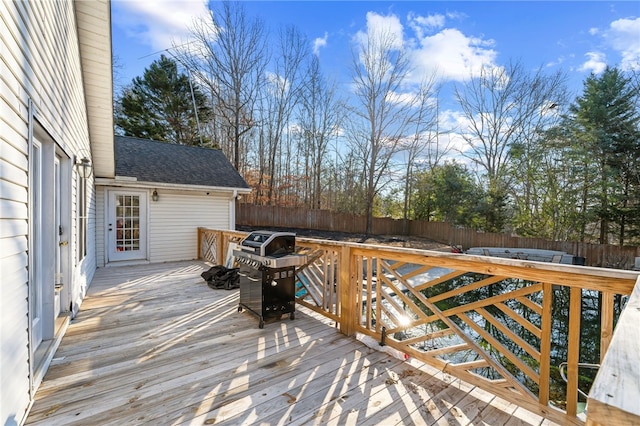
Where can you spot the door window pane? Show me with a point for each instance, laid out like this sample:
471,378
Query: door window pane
128,223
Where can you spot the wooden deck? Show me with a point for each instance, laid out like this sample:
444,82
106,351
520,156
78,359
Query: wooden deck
154,344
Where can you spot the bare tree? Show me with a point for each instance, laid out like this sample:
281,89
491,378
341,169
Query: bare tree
319,120
382,113
281,95
504,107
229,55
424,142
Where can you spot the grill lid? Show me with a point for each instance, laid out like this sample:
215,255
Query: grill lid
268,243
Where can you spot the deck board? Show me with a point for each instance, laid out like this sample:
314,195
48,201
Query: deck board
153,344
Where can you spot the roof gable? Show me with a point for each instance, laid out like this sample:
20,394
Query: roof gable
161,162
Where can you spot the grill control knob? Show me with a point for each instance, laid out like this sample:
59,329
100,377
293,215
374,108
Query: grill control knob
274,283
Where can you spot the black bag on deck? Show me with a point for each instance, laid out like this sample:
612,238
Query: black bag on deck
219,276
212,272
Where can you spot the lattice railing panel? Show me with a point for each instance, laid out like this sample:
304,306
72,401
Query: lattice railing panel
209,247
484,328
316,284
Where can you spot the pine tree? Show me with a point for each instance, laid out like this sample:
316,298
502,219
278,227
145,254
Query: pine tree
605,121
160,106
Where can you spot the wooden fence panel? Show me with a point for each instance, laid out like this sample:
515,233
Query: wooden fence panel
603,255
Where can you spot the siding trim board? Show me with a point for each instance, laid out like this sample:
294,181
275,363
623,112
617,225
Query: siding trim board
131,182
30,251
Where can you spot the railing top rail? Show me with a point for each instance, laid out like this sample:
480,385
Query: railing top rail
604,279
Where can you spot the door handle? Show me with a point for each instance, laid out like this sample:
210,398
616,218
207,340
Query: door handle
63,243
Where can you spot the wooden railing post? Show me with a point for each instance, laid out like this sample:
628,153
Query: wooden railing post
545,342
219,248
347,291
606,322
200,232
573,350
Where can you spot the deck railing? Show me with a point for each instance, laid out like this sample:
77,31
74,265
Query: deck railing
503,325
615,395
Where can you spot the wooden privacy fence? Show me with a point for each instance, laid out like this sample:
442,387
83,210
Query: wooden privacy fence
501,324
603,255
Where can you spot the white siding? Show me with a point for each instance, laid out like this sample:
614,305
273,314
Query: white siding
39,63
14,369
174,222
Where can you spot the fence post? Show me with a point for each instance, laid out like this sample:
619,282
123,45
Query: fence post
347,291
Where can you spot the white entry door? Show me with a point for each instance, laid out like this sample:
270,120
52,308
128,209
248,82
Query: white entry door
127,225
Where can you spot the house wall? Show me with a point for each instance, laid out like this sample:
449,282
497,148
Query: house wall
41,91
173,221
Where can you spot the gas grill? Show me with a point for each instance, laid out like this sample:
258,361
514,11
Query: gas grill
267,263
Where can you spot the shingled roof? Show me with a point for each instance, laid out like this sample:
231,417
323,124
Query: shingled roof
153,161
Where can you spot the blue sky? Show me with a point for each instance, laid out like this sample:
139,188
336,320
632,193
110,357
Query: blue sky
453,38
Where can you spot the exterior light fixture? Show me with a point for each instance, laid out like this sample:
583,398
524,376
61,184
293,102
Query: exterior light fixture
155,196
85,168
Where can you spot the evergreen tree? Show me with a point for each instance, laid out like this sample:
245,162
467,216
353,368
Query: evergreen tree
448,193
605,125
160,106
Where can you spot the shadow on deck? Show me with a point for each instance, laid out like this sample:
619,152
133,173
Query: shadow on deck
155,344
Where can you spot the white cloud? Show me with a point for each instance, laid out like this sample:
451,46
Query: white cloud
454,123
434,49
319,42
422,24
406,98
453,55
158,23
623,36
445,50
276,83
596,63
555,63
456,15
379,27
